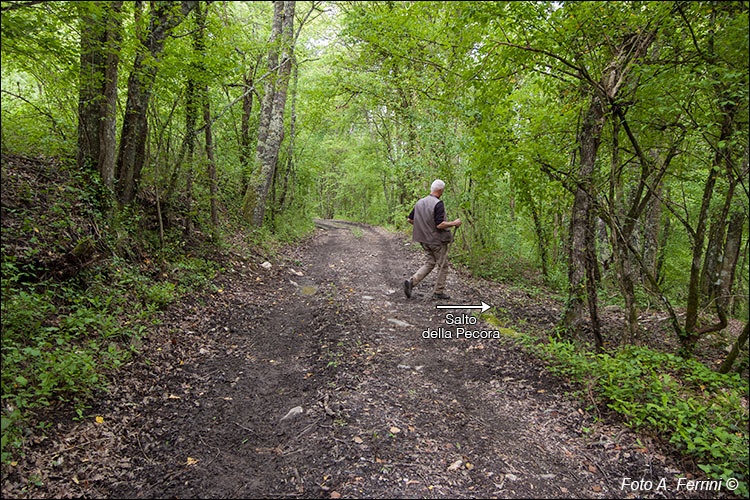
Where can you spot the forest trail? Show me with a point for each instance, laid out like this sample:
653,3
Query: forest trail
385,412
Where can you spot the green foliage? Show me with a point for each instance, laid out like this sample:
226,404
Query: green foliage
697,409
391,95
161,294
61,340
44,361
292,225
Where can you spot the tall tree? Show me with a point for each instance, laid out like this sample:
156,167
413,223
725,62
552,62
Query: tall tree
164,16
292,134
200,46
266,108
270,138
100,24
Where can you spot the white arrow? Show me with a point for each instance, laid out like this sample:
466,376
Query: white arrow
483,307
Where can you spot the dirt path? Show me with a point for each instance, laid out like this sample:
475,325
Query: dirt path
384,411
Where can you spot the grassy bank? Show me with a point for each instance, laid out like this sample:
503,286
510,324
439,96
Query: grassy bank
701,412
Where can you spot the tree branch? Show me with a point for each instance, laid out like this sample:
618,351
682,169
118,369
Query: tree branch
18,5
41,111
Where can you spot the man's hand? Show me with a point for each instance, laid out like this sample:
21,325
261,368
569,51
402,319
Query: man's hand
410,221
457,222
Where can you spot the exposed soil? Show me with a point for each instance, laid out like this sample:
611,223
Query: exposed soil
384,411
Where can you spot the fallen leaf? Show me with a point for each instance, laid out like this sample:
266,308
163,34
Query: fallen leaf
596,488
75,479
335,494
357,440
592,468
395,430
469,466
192,461
172,396
99,420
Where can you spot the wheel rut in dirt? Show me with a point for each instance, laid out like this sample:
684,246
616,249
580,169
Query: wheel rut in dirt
312,379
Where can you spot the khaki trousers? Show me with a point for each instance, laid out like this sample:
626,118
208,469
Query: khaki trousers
435,255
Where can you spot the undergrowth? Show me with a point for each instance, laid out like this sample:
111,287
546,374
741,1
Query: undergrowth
63,339
701,412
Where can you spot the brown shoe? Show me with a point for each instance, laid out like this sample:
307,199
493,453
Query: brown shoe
407,288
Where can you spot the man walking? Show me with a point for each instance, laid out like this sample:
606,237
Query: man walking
431,231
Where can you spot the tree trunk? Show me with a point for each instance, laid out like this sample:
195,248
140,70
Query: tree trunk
739,292
555,235
247,111
212,187
292,132
191,115
716,232
691,333
97,112
266,109
199,46
731,256
652,241
90,91
624,269
592,287
665,234
131,156
618,236
108,127
580,223
541,235
267,156
729,361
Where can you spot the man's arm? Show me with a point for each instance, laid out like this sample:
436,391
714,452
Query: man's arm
446,224
410,217
440,221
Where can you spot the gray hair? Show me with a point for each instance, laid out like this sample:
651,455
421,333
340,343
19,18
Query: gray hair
437,185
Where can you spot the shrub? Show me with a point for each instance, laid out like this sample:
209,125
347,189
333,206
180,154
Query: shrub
697,409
